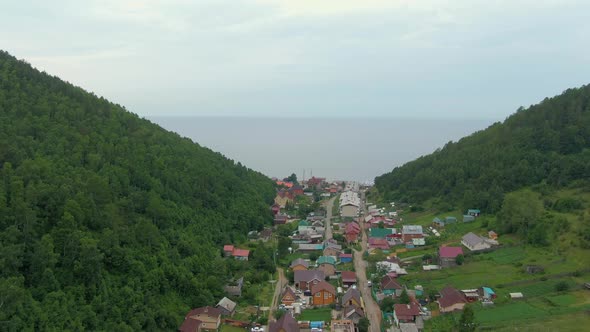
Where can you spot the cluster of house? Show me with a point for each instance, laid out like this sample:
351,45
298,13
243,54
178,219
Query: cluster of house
309,231
470,216
288,324
384,237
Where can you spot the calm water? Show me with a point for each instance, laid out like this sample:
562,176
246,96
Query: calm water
339,149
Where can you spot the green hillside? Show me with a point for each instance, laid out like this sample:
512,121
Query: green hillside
547,143
107,221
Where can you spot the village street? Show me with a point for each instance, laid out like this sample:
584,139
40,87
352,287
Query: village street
278,287
329,206
372,310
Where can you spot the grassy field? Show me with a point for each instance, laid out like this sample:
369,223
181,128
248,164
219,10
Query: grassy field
230,328
322,314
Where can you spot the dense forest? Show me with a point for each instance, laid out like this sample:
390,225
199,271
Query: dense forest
547,144
107,221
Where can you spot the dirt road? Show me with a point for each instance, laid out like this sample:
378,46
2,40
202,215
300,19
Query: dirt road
278,287
329,205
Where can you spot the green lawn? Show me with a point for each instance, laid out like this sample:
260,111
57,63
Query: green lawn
322,314
230,328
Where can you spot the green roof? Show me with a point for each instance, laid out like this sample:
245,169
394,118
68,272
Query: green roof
326,259
303,223
380,232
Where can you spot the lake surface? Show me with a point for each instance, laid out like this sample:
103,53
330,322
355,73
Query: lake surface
339,149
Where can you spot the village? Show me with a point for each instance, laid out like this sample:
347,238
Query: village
354,266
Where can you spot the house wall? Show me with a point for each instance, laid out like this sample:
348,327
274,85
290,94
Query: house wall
323,297
208,322
349,211
447,262
304,285
479,246
456,306
328,269
287,300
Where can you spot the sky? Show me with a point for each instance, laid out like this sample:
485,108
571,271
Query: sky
307,58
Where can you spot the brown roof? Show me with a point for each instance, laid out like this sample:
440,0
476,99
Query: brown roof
289,290
300,261
351,293
308,275
406,311
348,276
323,285
351,309
210,311
388,282
190,325
286,322
451,296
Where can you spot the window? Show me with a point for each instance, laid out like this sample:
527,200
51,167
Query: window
326,295
318,294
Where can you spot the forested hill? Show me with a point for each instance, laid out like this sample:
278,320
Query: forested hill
107,221
547,143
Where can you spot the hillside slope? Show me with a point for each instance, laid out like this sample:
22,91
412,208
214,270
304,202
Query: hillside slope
107,221
548,142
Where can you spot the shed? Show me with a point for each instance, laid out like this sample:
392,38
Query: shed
468,218
516,296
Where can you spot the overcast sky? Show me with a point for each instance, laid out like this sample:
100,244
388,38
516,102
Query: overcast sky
330,58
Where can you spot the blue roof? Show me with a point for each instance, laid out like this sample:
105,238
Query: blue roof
488,290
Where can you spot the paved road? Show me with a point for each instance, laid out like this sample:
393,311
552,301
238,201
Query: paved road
278,287
329,205
372,310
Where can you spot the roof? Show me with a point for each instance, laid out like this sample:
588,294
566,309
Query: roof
210,311
286,323
227,304
380,232
451,296
450,252
406,311
303,223
473,211
326,260
352,227
241,252
378,243
189,325
472,239
488,290
351,309
308,275
323,285
300,261
351,293
289,290
345,255
412,229
348,276
388,282
310,246
228,247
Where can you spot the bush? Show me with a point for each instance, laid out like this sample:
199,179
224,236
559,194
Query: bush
562,286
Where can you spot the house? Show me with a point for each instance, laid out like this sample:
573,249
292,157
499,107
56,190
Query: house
342,325
389,266
303,226
285,324
419,241
473,212
323,293
241,254
349,210
287,184
450,220
492,235
345,258
288,296
352,297
390,286
448,255
299,264
331,248
234,288
296,190
471,295
353,312
310,247
348,278
227,306
474,242
208,319
376,243
265,234
411,231
438,222
405,313
305,279
351,232
281,219
451,299
275,208
283,197
228,249
327,264
314,182
380,233
487,293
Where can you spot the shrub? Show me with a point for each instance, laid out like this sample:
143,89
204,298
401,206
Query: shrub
562,286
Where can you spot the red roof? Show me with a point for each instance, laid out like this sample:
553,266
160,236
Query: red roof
352,227
406,311
388,282
378,243
190,325
228,247
241,252
348,276
285,183
450,252
345,255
